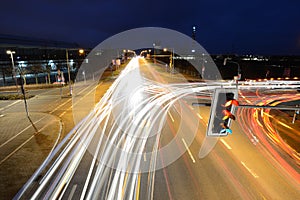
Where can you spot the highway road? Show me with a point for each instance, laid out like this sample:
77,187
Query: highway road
142,141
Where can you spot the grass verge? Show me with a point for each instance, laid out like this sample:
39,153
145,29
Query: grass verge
14,96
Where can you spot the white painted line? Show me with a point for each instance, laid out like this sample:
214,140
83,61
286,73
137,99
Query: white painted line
249,170
145,159
199,116
10,104
17,149
61,105
62,114
29,126
171,116
72,192
187,148
225,143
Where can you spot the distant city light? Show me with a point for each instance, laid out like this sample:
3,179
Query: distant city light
52,64
22,64
71,62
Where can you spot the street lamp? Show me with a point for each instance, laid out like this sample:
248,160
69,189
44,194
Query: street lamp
154,59
9,52
171,58
81,51
238,77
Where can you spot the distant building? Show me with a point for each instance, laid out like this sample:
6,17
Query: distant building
38,56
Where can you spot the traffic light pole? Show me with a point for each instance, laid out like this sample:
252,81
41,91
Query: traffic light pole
271,107
223,106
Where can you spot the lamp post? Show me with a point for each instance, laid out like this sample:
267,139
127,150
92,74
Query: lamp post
154,53
238,77
69,75
22,87
9,52
171,58
81,51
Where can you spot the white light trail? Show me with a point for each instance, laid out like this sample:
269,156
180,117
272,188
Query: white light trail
123,133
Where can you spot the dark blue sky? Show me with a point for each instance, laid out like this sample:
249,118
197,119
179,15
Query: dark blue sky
256,27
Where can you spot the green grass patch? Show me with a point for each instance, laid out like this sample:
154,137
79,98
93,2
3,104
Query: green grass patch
14,96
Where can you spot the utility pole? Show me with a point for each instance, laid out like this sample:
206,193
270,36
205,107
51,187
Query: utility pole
69,74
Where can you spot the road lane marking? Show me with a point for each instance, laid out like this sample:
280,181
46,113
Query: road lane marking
171,116
24,143
250,170
10,105
225,143
190,153
138,187
61,105
29,126
199,116
63,113
145,159
17,149
72,192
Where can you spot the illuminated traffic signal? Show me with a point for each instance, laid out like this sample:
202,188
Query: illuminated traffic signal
222,112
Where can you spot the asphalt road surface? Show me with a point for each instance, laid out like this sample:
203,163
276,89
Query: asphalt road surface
142,141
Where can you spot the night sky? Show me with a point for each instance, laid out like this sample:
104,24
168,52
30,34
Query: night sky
234,26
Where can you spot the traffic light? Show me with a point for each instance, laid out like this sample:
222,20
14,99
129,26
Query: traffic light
222,112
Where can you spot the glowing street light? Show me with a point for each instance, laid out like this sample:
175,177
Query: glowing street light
9,52
171,57
81,51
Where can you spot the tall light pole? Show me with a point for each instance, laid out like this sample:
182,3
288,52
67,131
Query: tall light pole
194,33
69,75
81,51
22,87
9,52
154,53
238,77
171,58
